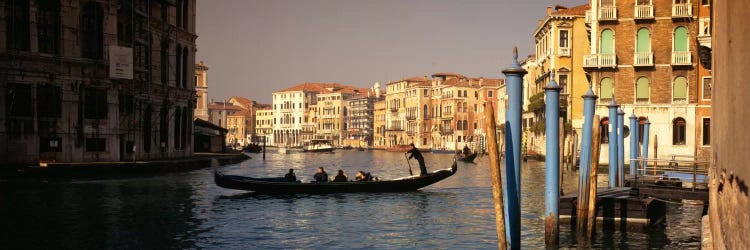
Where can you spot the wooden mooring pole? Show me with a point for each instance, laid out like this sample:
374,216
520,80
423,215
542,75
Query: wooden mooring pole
595,150
582,208
496,175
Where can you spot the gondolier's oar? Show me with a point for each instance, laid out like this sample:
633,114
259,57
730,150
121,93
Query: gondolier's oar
407,161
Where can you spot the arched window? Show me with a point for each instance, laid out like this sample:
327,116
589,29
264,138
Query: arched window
466,125
606,88
178,65
17,20
680,39
679,90
607,45
642,89
604,130
92,30
185,66
48,25
678,131
177,121
643,44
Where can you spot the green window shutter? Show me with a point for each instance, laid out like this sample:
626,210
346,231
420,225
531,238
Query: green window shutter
643,45
680,88
680,39
608,42
641,88
605,90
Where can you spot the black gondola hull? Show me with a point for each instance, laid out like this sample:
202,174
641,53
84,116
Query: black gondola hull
277,185
469,158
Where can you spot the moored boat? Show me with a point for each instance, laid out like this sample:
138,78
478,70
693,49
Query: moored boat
467,158
279,185
318,146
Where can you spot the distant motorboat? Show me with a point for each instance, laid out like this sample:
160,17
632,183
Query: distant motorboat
284,150
318,146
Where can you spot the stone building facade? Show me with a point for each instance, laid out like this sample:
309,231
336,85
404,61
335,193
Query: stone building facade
201,91
67,89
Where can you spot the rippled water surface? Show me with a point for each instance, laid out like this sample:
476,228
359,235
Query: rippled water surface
186,210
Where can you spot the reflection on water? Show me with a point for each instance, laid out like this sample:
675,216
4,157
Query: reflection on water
187,210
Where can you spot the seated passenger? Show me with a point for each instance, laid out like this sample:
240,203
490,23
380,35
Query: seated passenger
368,176
290,177
340,177
361,176
321,175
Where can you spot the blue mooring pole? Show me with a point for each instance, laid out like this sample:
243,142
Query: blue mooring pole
552,163
620,147
585,163
612,143
633,144
645,145
512,185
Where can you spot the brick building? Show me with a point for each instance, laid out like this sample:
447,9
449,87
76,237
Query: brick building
96,80
644,55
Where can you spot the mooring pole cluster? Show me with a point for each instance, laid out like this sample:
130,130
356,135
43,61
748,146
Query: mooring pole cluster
620,147
512,185
552,162
585,163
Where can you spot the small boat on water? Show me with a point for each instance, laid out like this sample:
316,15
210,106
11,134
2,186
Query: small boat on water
467,158
318,146
279,185
442,151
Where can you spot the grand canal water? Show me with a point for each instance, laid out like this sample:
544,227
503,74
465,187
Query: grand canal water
186,210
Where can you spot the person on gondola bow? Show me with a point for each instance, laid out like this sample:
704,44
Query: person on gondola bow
417,155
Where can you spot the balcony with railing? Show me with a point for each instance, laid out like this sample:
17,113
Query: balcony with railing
643,59
394,128
645,11
411,117
600,61
446,131
563,51
680,10
411,133
607,13
394,109
681,58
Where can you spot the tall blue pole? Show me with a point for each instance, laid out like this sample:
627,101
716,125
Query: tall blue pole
612,143
514,87
633,143
585,163
552,162
645,145
620,147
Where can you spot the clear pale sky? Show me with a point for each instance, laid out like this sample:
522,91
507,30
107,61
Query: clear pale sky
253,48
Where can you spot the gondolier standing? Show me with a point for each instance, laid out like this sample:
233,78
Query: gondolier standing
417,155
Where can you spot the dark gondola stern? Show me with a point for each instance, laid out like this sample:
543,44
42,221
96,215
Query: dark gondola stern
454,167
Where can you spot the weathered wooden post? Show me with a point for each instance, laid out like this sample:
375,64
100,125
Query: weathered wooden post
514,86
551,162
264,147
612,143
633,144
646,125
496,174
595,150
620,147
584,171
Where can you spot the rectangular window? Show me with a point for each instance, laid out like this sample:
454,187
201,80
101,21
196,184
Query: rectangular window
563,38
18,102
92,30
96,145
95,104
48,101
48,25
489,93
706,131
563,82
707,88
704,2
17,20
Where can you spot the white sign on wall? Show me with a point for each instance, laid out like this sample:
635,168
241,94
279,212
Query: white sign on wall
120,62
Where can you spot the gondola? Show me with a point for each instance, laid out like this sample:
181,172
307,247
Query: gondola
468,158
279,185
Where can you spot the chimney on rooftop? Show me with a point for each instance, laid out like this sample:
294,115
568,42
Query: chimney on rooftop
549,10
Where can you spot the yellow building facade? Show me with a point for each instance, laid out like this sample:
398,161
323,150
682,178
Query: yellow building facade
379,139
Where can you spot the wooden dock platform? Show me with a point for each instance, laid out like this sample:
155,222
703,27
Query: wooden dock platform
618,205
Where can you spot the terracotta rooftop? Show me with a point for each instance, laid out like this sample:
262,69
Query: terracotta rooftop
579,10
221,106
243,112
327,88
412,79
242,101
